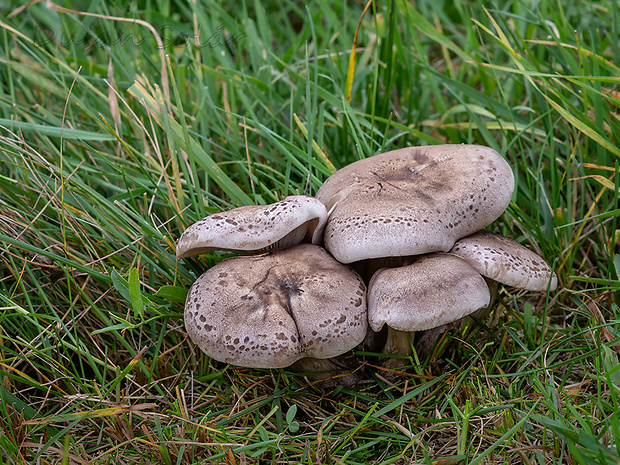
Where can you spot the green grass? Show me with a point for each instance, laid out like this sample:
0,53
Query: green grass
103,164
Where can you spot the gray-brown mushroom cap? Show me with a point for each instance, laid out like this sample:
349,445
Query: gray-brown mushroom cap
506,261
414,200
435,290
256,227
271,310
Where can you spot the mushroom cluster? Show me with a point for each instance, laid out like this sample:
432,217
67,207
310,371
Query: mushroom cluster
404,247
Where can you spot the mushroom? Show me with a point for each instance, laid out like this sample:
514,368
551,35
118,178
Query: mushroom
488,257
256,228
413,201
499,258
272,310
436,289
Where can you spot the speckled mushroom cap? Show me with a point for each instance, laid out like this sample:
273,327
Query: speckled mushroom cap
414,200
506,261
271,310
435,290
256,227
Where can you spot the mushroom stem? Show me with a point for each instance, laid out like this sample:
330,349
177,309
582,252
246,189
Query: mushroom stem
331,372
397,343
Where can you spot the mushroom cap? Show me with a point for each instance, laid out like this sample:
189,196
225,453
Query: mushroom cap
504,260
413,200
256,228
434,290
271,310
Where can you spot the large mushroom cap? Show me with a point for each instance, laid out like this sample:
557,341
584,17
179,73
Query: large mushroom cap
414,200
435,290
270,311
506,261
256,227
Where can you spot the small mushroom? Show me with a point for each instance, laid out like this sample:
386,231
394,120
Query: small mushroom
436,289
500,258
413,201
271,310
256,228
